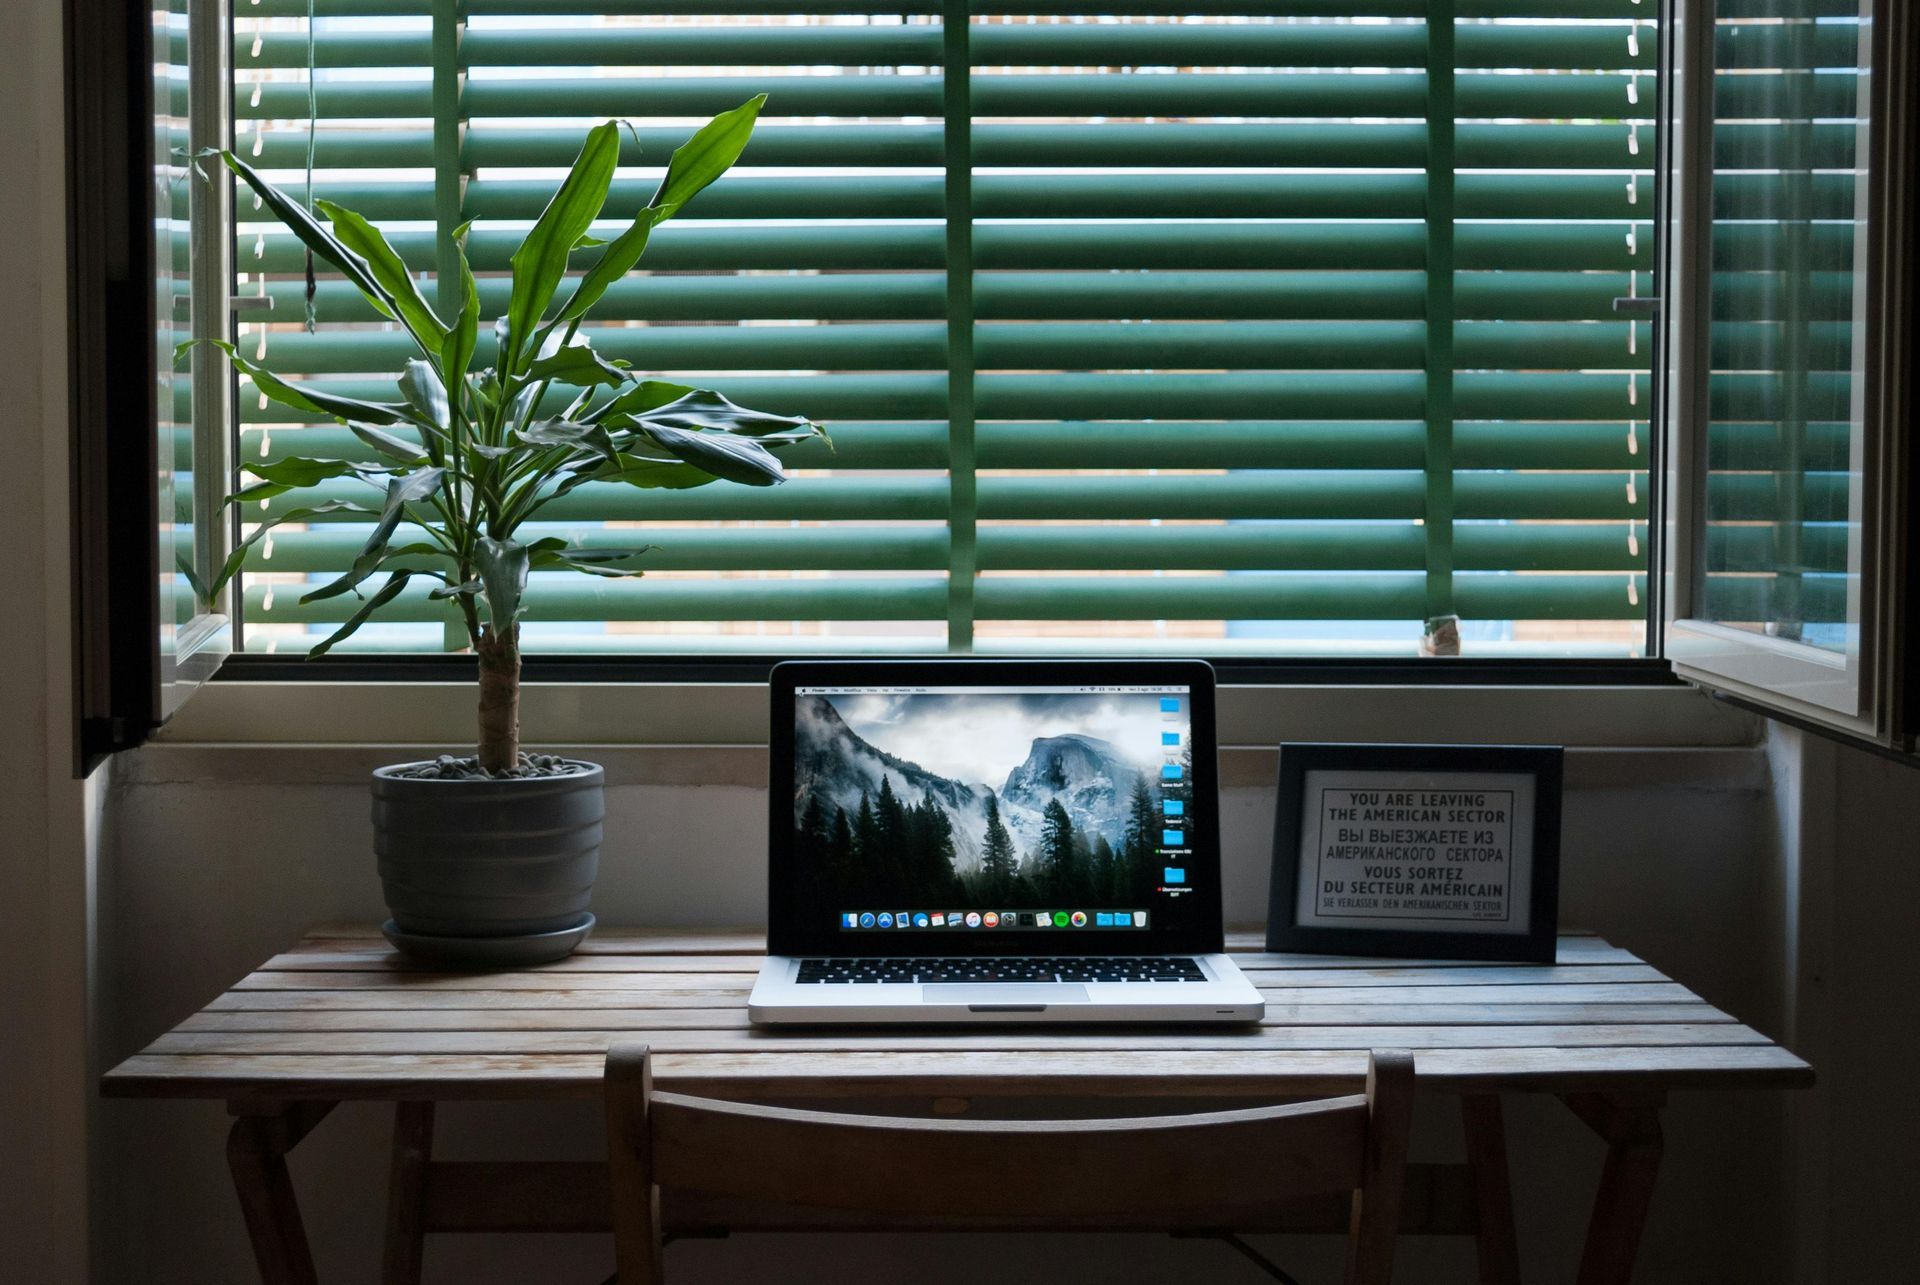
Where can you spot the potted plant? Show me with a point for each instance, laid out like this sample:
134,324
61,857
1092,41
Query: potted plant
491,858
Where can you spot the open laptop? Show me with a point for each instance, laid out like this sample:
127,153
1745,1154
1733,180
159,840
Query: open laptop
995,841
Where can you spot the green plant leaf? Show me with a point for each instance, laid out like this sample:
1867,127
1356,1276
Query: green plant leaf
314,236
456,353
736,459
388,592
420,386
258,491
553,548
297,473
521,408
503,567
648,394
702,410
590,561
194,582
465,589
238,557
703,158
559,432
390,271
611,573
541,261
311,400
401,491
398,449
656,474
298,470
618,259
578,365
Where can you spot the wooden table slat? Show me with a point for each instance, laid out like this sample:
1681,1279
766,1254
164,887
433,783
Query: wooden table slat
342,1016
537,1009
860,1073
1032,1039
735,985
309,963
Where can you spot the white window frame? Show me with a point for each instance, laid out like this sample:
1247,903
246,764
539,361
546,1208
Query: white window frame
193,650
1849,691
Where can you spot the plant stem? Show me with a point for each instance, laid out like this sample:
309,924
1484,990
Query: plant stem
499,699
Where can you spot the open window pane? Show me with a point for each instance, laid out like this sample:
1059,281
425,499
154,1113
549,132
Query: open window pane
1783,464
1275,329
1780,449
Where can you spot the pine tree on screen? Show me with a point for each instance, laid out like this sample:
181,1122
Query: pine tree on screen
997,860
1059,854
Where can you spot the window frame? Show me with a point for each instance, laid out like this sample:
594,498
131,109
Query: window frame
249,686
1866,693
1639,627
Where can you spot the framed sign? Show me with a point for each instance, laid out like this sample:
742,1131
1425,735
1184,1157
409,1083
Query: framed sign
1417,851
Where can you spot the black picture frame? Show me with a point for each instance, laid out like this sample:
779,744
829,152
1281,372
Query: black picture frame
1536,943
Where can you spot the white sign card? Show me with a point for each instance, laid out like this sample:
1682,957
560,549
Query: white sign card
1416,850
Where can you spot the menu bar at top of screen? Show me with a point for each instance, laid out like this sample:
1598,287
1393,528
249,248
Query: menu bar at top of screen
911,690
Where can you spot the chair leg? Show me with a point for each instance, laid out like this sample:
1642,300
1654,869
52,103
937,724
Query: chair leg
636,1200
407,1194
1494,1237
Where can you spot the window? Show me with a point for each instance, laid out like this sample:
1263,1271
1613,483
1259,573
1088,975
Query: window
1793,482
1238,329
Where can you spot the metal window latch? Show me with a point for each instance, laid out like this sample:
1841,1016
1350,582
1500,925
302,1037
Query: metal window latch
1637,306
264,303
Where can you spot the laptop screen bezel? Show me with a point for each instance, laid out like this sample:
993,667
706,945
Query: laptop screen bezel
786,936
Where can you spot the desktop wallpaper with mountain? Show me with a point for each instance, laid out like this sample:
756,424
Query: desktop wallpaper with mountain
989,800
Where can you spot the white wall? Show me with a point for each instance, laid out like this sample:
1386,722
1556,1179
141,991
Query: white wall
45,1090
218,857
1851,991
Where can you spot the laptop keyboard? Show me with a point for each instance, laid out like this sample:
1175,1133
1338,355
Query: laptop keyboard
1099,968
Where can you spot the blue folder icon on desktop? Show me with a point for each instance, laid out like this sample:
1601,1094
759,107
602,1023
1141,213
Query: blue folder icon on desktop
1171,772
1169,738
1169,704
1173,807
1172,838
1174,874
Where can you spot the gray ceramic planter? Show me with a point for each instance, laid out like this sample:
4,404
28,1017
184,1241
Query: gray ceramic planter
488,871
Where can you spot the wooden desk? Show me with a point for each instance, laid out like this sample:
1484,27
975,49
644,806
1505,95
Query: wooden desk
342,1017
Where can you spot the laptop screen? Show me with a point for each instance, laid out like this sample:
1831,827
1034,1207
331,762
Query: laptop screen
923,814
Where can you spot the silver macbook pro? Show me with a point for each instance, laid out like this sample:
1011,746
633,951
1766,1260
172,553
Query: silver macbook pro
995,841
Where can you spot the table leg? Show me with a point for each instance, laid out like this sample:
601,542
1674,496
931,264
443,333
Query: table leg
407,1193
256,1156
1494,1238
1630,1125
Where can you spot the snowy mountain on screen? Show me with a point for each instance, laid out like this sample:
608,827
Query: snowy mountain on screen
836,763
1089,776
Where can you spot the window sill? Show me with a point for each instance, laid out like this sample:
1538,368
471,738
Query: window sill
1717,769
425,718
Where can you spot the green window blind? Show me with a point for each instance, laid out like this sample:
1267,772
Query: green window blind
1212,327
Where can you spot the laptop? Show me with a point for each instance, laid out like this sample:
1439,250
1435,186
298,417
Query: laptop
995,841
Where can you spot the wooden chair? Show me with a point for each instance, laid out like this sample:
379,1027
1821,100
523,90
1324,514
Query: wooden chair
987,1168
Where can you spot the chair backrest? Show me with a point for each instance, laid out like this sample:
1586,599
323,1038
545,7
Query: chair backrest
1033,1169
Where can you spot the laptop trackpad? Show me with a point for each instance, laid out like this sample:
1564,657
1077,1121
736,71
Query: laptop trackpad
1008,994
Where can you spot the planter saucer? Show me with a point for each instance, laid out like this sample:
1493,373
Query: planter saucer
489,952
